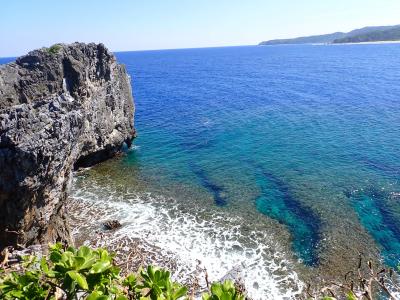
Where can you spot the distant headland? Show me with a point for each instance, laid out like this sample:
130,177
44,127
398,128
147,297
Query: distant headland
362,35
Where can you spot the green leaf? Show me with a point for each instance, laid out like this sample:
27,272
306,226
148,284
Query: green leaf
77,262
228,286
206,297
17,294
351,296
68,259
104,254
100,267
180,293
216,289
115,270
71,249
96,295
84,251
150,271
79,279
55,256
56,246
87,264
130,281
44,266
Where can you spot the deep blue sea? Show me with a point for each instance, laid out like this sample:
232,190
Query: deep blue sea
285,121
267,158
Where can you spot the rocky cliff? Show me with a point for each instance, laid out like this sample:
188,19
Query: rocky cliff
60,108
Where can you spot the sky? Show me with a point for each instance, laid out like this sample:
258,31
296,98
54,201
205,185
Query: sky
124,25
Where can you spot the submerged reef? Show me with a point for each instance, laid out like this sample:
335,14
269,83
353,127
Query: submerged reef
277,201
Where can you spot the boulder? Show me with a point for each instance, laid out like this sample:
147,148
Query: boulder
112,224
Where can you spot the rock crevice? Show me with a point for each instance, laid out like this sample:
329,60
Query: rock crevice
63,107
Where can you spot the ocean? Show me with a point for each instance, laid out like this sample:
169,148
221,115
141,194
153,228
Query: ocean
278,162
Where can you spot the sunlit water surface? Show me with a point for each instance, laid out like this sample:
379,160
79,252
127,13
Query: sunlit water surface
280,161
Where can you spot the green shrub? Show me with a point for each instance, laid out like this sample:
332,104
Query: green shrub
223,291
54,49
85,273
91,274
159,285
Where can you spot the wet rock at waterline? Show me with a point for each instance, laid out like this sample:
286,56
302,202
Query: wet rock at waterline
111,224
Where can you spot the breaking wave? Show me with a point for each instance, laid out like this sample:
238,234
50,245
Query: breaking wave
218,243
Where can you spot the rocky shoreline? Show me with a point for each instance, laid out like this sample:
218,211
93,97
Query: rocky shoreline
60,108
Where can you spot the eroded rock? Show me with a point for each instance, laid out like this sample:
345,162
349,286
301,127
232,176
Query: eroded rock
60,108
112,224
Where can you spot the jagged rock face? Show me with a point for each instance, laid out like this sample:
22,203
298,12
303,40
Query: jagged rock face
60,108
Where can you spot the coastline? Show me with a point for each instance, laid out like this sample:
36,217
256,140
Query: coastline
335,44
166,232
175,229
368,43
179,228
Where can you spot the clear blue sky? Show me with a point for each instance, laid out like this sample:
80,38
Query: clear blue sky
161,24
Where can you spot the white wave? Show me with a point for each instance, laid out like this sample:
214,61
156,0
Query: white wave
134,147
216,242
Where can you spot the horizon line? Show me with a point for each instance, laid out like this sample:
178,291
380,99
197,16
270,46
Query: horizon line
139,50
205,47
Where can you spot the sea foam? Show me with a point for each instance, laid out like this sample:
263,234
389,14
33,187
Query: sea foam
191,239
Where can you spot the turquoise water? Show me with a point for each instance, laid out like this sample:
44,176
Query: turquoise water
276,159
303,134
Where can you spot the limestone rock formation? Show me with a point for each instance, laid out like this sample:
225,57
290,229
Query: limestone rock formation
60,107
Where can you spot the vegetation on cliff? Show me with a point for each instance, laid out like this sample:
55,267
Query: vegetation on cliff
392,34
92,274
